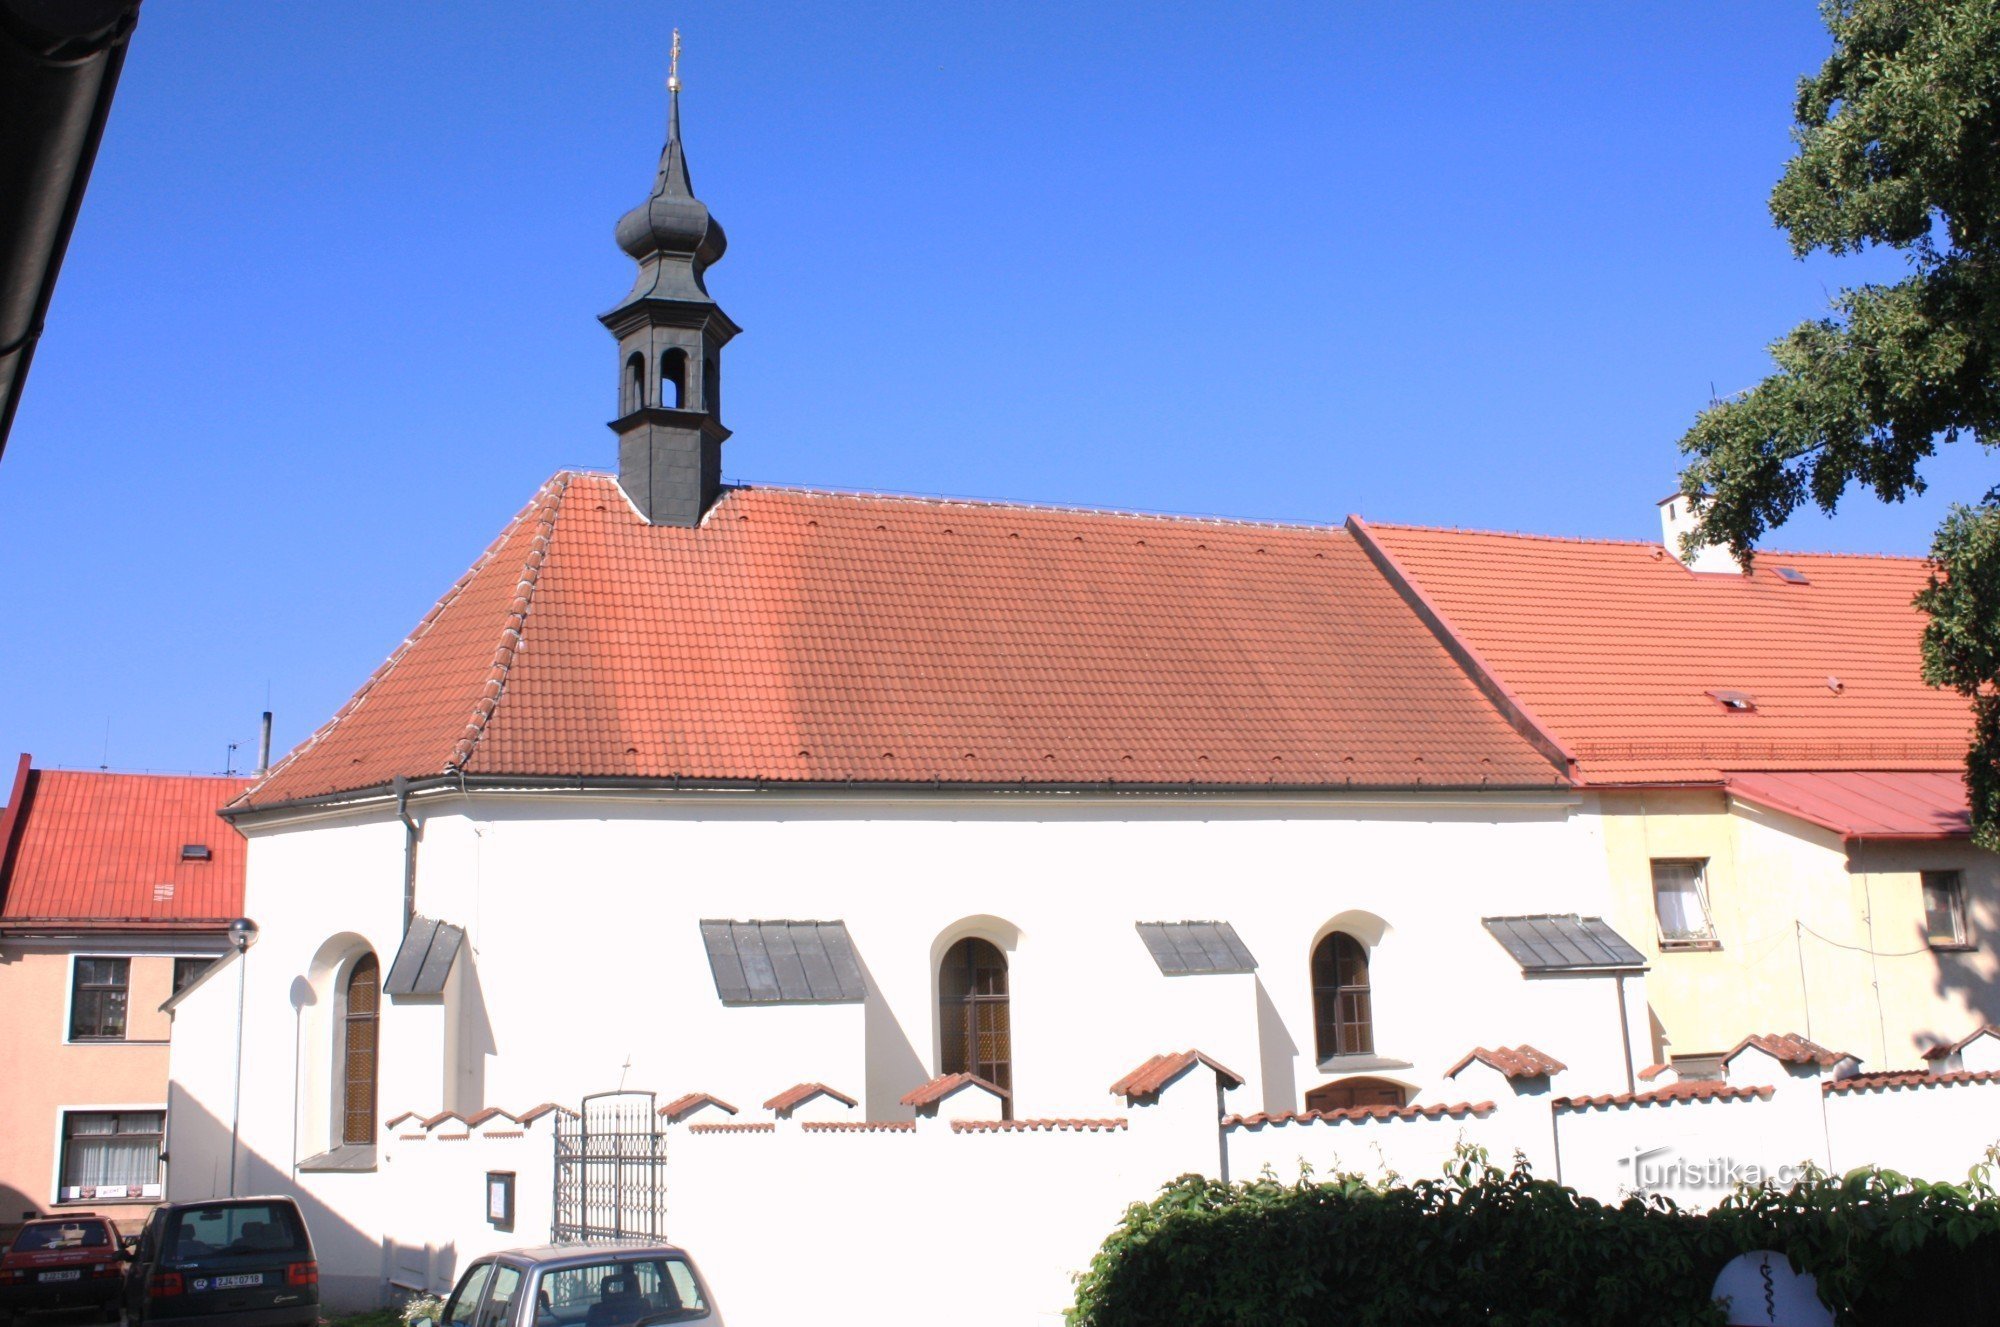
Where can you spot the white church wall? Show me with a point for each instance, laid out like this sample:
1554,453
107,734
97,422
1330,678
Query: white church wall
600,903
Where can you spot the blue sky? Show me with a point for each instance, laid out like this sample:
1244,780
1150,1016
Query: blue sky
328,318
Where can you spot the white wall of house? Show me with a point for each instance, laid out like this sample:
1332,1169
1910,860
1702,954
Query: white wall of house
584,967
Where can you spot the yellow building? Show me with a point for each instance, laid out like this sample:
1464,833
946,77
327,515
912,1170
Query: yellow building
1779,794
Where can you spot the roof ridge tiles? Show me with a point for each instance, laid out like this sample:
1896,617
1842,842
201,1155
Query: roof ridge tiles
1053,508
1763,554
547,505
382,670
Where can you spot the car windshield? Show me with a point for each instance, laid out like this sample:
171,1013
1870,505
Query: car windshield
236,1230
60,1235
619,1294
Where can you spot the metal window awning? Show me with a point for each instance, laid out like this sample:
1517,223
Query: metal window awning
783,962
1570,943
425,958
1184,949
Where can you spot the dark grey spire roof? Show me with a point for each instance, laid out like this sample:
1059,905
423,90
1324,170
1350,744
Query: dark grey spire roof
671,233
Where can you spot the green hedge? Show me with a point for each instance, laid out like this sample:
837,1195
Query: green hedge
1501,1247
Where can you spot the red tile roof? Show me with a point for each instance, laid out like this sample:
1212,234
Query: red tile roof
1942,1049
681,1107
859,1126
1789,1048
931,1093
796,1096
1612,649
1865,804
1896,1078
103,851
1652,1071
1356,1113
812,636
749,1126
1660,1096
1150,1078
1522,1061
1037,1126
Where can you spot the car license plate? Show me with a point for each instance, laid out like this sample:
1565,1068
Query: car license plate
73,1274
238,1282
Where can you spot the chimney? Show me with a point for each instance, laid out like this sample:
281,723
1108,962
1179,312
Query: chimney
264,746
1676,520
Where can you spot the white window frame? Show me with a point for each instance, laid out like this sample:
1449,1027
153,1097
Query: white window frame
1961,913
148,1193
69,1003
1706,938
69,994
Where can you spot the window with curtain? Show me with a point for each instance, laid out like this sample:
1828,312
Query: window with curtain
1680,900
972,1014
111,1153
97,998
361,1013
1343,1016
1944,909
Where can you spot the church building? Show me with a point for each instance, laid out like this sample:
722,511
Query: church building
922,829
723,790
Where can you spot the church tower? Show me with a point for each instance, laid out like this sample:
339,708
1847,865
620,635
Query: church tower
670,338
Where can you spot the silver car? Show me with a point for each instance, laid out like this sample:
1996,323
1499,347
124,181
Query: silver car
581,1285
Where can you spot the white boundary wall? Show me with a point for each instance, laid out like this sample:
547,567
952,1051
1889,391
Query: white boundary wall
979,1223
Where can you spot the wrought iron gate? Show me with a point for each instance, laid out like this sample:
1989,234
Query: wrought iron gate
611,1170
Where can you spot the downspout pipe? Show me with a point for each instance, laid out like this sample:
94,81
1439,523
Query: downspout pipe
401,787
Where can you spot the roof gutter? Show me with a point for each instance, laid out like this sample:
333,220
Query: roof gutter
400,789
1512,708
59,66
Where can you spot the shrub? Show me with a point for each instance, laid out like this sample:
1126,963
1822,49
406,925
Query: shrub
1502,1247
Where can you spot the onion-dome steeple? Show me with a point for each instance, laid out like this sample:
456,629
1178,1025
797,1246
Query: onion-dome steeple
670,338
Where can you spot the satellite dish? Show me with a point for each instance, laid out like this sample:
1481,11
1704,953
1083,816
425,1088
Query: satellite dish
1765,1290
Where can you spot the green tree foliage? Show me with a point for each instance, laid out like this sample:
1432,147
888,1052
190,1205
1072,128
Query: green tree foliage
1501,1247
1899,146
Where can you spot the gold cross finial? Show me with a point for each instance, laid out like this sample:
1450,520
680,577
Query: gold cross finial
674,64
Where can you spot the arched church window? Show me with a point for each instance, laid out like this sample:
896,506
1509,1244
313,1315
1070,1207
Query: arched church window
1343,1019
634,395
673,379
360,1042
972,1013
711,384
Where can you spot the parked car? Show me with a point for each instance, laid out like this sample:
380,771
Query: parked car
64,1262
581,1285
229,1262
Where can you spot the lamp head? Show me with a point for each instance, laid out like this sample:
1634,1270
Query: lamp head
242,934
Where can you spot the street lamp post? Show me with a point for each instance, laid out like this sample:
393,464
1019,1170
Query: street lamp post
242,934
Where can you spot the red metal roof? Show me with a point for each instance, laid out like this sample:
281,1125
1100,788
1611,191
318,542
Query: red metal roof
812,636
1613,650
103,851
1864,804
